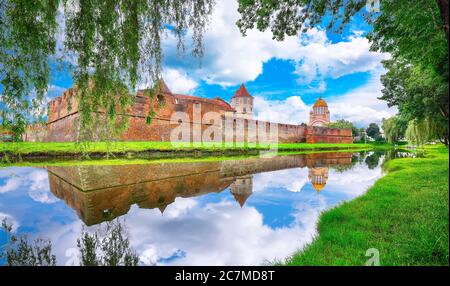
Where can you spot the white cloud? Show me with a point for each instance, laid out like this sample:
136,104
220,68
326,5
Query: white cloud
34,180
229,57
10,185
277,179
320,58
39,189
179,82
10,220
361,105
292,110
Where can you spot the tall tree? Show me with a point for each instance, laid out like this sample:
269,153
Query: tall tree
344,124
373,130
394,128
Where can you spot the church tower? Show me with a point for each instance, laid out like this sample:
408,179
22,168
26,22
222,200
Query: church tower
242,103
319,115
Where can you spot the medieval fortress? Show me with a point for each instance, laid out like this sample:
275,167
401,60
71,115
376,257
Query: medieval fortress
186,118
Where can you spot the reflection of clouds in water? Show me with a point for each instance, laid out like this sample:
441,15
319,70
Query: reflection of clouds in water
291,180
207,231
216,234
9,180
10,185
11,220
33,179
354,182
39,189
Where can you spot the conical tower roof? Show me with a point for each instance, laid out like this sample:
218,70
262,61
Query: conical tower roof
242,92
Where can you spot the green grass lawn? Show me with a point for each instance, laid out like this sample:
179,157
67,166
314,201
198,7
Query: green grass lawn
74,148
404,215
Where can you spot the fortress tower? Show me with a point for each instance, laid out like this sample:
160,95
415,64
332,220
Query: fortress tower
242,103
319,115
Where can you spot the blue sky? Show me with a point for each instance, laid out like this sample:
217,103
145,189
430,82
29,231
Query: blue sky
285,77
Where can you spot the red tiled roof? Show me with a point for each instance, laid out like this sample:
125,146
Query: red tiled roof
215,101
242,92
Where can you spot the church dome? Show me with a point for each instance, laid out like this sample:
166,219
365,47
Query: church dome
320,103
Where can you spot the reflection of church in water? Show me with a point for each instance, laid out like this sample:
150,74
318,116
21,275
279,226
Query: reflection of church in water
318,177
242,188
100,193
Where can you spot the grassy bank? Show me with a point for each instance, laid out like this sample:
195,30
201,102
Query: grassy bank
404,215
154,149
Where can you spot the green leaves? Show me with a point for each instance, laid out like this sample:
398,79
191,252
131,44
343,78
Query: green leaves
290,17
27,40
394,128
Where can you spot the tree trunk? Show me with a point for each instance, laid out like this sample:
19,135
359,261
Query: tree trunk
443,8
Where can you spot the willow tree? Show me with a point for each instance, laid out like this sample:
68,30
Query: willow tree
394,128
109,46
420,132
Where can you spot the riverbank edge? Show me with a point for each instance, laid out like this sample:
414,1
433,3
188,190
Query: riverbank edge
7,153
403,217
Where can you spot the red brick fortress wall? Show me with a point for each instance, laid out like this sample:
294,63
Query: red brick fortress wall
328,135
63,122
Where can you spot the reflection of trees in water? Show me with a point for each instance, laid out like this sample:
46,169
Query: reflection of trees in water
108,246
18,251
344,167
370,158
373,160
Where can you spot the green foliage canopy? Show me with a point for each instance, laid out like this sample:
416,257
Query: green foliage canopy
394,128
373,130
344,124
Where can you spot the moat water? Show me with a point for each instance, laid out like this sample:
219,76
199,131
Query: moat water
234,212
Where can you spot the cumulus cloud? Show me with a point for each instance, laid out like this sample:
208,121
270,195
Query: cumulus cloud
320,58
229,57
10,220
34,180
39,189
10,180
361,105
291,110
277,179
11,184
178,81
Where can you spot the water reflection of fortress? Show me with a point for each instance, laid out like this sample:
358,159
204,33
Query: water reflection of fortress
100,193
